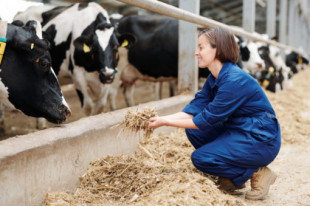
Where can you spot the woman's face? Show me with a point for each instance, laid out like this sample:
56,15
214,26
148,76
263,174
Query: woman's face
204,52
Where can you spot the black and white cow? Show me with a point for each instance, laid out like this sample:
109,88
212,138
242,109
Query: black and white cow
295,61
83,45
28,82
271,78
154,57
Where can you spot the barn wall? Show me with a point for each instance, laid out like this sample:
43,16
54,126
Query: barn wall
55,158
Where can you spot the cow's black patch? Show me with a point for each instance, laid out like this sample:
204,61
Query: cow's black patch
156,51
81,97
70,65
83,5
59,50
245,53
50,14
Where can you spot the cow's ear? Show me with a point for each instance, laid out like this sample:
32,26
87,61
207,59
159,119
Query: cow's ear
50,33
127,40
82,44
18,23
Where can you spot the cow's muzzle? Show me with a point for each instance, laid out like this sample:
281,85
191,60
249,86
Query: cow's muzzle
65,112
106,75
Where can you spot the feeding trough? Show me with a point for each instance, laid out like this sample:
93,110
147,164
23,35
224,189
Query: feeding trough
55,158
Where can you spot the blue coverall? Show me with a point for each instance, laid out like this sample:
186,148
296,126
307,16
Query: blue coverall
238,130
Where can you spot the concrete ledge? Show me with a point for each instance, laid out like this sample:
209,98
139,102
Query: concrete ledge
53,159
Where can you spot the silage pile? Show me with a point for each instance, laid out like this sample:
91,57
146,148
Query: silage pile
159,173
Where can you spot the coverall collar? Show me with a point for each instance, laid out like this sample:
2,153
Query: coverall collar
223,71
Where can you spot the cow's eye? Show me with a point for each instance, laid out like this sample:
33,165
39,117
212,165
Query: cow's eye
45,64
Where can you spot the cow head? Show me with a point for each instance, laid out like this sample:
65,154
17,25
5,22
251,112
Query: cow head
30,83
97,48
250,57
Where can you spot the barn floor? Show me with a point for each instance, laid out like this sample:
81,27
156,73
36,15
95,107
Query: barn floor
160,172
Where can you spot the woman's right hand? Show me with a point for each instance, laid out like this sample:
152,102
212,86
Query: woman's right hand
156,122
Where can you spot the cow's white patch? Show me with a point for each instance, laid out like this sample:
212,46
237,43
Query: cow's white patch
4,96
63,99
104,37
255,63
109,71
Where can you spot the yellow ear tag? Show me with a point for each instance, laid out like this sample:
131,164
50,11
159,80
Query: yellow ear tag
32,45
125,43
265,83
37,60
299,60
271,70
2,49
86,48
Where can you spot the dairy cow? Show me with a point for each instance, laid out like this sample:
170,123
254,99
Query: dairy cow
28,82
83,45
154,57
295,61
271,77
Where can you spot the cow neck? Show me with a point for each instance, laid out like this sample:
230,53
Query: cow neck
3,30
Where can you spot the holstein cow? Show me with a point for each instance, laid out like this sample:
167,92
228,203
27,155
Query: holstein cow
271,77
295,61
154,57
28,82
83,45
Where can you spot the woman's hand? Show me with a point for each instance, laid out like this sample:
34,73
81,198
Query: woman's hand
156,122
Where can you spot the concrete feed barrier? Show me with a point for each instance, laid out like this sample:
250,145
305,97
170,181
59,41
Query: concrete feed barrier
55,158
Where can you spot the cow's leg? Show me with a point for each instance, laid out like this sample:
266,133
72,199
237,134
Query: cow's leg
158,89
41,123
102,98
112,97
80,84
129,92
173,87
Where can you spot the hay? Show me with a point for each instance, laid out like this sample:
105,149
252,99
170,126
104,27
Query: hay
135,120
164,176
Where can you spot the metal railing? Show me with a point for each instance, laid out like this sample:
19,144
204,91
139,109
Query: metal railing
168,10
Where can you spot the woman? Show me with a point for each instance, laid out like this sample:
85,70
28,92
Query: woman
230,122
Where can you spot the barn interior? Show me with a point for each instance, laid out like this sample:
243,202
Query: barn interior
35,163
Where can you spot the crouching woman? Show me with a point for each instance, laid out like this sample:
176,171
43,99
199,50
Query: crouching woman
230,122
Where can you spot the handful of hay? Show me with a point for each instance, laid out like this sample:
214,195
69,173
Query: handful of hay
136,121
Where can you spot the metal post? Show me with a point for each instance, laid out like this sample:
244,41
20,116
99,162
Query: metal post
248,15
291,22
283,22
271,18
188,66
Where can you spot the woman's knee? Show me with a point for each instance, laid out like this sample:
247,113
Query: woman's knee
200,161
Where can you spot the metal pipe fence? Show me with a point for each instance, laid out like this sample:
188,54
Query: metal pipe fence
168,10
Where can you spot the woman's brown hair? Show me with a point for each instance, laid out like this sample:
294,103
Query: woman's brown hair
227,49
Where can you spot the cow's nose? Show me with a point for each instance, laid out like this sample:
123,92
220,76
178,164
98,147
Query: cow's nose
107,71
68,112
65,110
259,65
